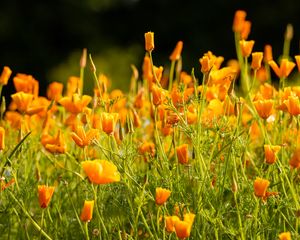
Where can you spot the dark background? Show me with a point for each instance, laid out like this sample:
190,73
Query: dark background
45,38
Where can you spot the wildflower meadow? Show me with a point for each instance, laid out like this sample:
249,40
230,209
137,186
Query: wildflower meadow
175,157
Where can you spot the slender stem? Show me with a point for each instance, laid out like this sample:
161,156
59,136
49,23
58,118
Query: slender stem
34,223
171,75
86,230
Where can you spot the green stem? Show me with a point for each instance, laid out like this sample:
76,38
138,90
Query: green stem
171,75
86,231
34,223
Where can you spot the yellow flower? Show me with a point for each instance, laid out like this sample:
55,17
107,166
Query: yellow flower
285,236
75,104
101,171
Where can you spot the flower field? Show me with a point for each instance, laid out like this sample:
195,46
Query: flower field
176,157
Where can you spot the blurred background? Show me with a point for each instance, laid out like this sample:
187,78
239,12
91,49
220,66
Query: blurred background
45,38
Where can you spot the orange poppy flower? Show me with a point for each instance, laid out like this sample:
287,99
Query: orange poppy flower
149,41
24,101
246,47
185,78
177,51
264,108
14,119
55,144
268,55
222,76
108,122
210,61
271,153
182,153
285,68
87,211
183,228
161,195
293,105
5,75
147,69
82,138
295,160
26,83
285,236
101,171
170,223
260,187
297,57
147,147
256,60
45,195
158,94
238,20
246,30
75,104
74,84
54,91
139,99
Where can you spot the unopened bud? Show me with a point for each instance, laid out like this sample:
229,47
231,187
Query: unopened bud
289,32
83,58
234,186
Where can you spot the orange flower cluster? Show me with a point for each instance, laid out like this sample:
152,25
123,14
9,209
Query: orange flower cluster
181,227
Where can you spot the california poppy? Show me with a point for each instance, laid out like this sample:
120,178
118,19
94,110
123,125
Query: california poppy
260,187
285,236
161,195
87,211
271,153
5,75
182,153
108,122
284,69
83,138
101,171
45,195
